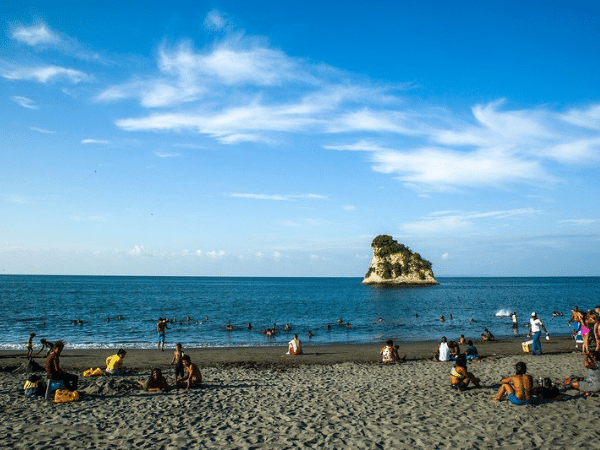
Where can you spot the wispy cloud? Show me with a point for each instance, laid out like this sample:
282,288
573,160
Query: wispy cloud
242,89
453,222
95,141
42,130
45,74
42,37
278,197
579,221
38,34
24,102
167,155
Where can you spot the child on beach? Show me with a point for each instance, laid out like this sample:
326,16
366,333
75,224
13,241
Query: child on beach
193,376
518,387
156,383
114,363
45,345
29,345
388,353
177,360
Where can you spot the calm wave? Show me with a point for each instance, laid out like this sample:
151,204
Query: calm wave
47,304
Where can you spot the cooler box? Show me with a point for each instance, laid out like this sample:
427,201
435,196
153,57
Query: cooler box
527,346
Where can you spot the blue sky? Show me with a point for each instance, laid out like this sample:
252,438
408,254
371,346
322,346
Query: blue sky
279,138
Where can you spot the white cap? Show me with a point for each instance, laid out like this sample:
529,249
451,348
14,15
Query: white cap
532,314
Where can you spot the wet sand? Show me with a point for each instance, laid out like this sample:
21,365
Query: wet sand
333,397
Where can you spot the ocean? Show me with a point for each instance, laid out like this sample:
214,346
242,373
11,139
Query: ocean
47,306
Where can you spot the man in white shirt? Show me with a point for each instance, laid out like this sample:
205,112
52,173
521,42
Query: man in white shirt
535,328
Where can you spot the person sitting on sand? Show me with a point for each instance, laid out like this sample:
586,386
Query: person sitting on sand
114,363
472,352
177,360
548,390
54,371
518,387
462,340
295,346
389,354
454,350
460,377
45,345
591,384
155,383
192,377
489,335
443,351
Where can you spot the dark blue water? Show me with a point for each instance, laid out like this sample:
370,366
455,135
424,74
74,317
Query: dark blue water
47,304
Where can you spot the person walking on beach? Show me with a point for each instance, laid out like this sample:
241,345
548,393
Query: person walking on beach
535,327
515,321
54,371
29,345
518,387
161,326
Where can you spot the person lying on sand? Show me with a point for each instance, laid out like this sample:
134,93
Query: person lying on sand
155,383
518,387
591,384
192,377
460,377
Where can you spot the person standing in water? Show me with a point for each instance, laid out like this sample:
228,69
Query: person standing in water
161,326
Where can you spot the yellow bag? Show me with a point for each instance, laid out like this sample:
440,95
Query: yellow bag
64,396
93,372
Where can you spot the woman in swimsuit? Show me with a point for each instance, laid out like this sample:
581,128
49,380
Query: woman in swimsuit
460,377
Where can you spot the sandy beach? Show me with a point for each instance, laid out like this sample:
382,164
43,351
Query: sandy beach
331,397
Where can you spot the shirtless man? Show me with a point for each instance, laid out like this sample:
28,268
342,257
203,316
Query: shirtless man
518,387
161,326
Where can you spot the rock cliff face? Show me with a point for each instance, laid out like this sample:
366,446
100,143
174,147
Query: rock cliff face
396,265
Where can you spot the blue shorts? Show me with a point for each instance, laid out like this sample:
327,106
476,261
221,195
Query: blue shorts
161,337
515,401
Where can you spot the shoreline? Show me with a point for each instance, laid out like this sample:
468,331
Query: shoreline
325,354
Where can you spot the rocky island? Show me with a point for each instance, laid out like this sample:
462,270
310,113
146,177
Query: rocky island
396,265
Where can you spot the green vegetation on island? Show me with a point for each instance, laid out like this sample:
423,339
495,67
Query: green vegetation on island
394,263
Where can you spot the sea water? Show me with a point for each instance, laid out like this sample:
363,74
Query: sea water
48,305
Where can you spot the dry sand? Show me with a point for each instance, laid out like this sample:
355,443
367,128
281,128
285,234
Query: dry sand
332,397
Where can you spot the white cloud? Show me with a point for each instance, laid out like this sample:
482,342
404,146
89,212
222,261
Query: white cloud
36,35
95,141
42,130
216,254
167,155
137,250
215,20
24,102
459,222
348,207
579,221
278,197
445,256
46,73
